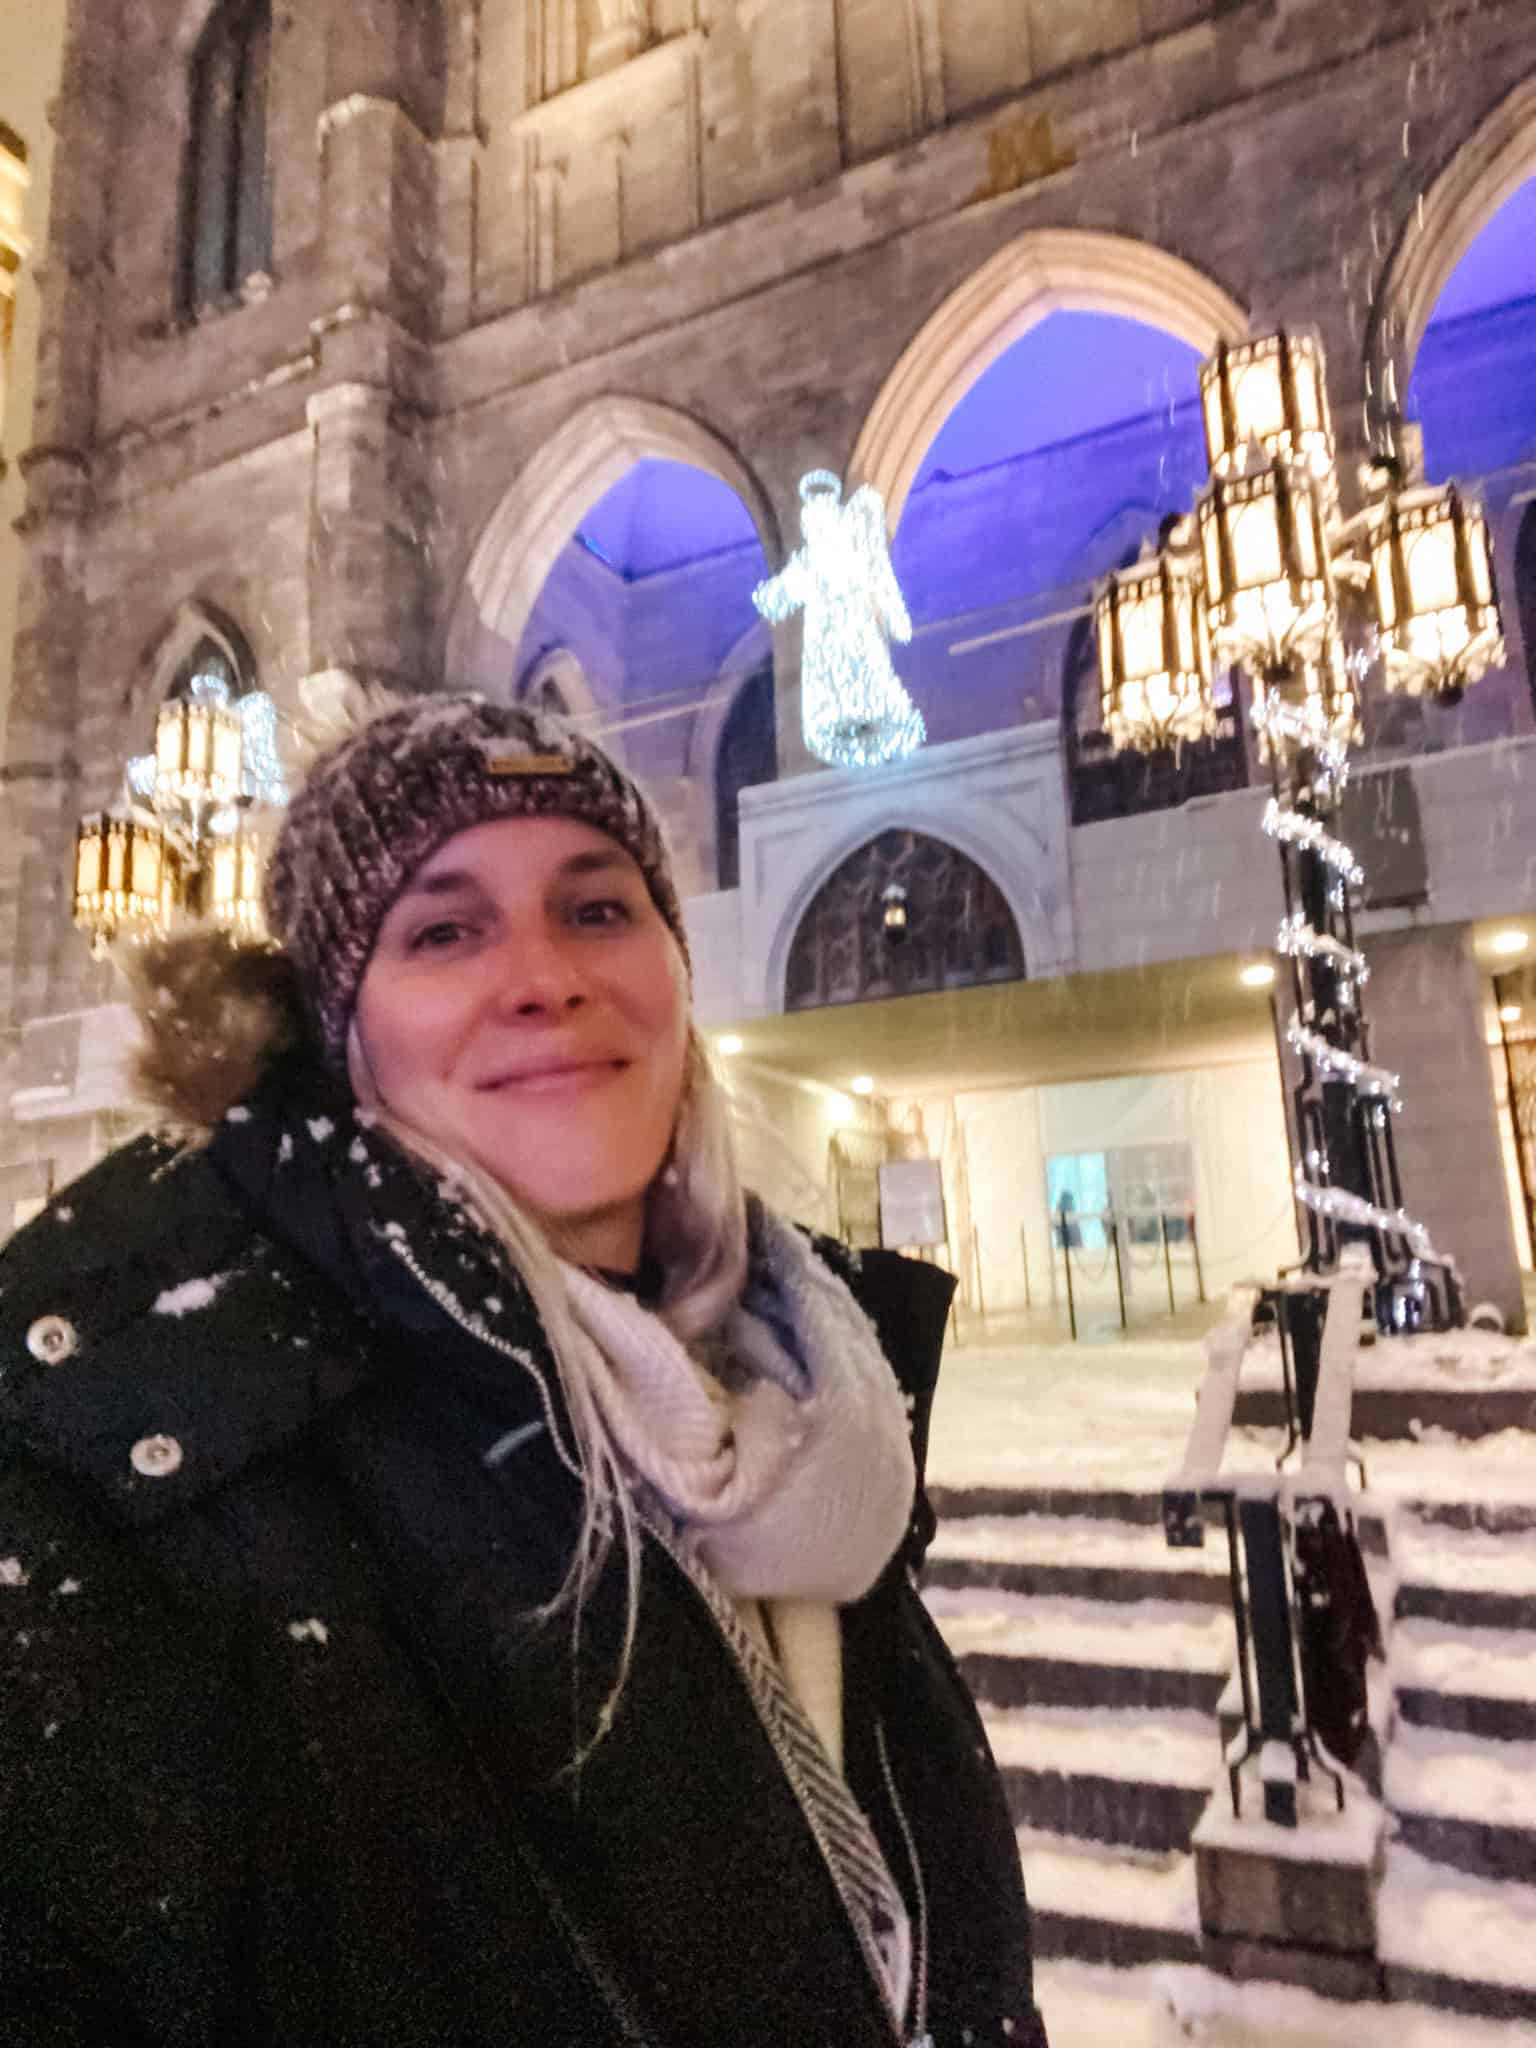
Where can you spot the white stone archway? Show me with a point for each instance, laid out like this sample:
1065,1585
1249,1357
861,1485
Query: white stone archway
524,536
1049,270
998,799
1486,171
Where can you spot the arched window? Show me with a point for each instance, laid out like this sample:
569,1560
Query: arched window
226,224
748,755
1525,590
1106,784
207,671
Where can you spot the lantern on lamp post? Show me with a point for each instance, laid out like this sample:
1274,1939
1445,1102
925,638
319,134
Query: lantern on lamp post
1155,653
234,871
1432,579
182,841
1268,583
1270,394
125,877
198,746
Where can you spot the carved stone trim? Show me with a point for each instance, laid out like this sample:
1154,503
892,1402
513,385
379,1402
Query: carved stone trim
612,92
1486,171
1046,271
926,47
524,536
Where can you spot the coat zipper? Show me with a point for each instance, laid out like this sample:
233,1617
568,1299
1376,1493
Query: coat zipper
730,1628
921,2038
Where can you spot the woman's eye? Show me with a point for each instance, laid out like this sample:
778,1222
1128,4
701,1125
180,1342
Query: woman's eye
432,938
604,910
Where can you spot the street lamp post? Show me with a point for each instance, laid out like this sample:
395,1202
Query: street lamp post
1269,579
182,839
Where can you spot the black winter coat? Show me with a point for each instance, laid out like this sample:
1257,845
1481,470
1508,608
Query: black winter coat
278,1741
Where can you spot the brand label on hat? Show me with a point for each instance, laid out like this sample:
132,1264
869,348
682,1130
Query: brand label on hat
529,764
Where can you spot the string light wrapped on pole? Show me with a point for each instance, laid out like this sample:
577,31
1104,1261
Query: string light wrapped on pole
1259,592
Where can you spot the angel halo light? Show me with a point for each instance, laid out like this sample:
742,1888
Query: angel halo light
854,711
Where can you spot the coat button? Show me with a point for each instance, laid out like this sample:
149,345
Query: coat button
156,1457
52,1339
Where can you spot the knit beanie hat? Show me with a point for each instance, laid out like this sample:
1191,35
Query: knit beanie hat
376,806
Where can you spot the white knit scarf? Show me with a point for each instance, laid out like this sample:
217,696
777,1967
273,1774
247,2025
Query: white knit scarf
786,1460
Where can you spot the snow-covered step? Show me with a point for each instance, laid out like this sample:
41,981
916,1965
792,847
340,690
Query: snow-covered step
1456,1941
1138,1779
1473,1576
1473,1681
1076,1556
1464,1801
1109,1503
1103,1906
1016,1651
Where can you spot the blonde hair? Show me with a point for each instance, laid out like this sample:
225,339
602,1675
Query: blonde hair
695,1228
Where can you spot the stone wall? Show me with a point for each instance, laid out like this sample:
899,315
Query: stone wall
744,223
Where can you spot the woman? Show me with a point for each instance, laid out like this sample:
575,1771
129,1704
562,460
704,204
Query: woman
455,1550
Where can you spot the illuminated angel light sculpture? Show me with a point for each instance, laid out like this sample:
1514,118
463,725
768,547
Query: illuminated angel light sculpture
854,711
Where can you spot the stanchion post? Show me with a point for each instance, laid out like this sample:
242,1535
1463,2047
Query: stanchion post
1114,1238
1162,1218
1029,1299
1066,1257
1194,1245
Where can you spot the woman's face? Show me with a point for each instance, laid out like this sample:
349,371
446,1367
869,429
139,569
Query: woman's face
527,1008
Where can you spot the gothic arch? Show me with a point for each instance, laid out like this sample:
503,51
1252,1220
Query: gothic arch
157,669
523,537
1487,169
1048,270
559,669
961,931
969,836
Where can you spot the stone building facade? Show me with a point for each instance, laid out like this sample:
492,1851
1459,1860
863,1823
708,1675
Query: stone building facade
483,256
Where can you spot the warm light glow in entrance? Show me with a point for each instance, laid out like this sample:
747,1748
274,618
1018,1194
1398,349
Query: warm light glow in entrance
1511,1014
863,1084
1509,942
1259,975
729,1045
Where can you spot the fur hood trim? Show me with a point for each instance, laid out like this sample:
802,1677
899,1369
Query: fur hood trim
213,1013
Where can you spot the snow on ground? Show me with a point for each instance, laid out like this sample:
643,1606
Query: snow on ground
1487,1663
1169,2005
1072,1539
1433,1770
1058,1414
1146,1745
1147,1633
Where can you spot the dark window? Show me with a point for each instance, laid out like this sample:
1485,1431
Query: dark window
1525,590
227,230
960,931
1106,784
207,666
748,755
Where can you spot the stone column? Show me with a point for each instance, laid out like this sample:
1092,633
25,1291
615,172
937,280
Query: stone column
369,615
1425,1001
39,782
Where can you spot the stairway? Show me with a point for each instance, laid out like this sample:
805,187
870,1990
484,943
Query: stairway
1099,1658
1457,1909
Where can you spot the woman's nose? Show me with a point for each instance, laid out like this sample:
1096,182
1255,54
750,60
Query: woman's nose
539,977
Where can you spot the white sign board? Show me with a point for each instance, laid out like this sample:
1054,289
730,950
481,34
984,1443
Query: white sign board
912,1203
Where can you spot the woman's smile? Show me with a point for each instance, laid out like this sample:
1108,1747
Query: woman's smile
557,1077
